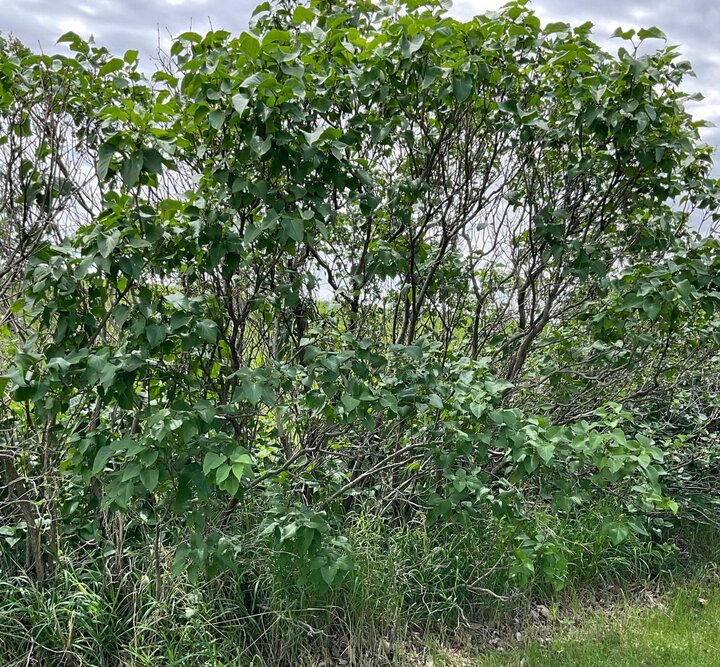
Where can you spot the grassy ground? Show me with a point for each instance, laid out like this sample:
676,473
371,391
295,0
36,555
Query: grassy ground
405,582
683,630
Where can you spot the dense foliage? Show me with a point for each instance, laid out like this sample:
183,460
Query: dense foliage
361,265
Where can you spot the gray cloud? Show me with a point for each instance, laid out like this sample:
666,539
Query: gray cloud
119,25
143,24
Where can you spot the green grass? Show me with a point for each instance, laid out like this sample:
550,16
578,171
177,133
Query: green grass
410,589
684,632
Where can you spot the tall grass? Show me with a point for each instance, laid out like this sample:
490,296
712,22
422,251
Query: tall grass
410,582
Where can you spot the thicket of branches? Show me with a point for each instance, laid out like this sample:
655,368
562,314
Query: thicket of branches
363,258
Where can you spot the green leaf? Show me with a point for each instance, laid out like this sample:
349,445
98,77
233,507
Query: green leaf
350,402
112,65
106,244
105,154
179,320
242,457
644,460
240,102
107,377
651,33
328,573
152,160
253,81
231,484
16,376
207,329
652,472
178,300
558,26
217,119
623,34
274,35
206,410
260,146
302,15
69,36
462,87
667,504
262,7
685,288
508,106
497,387
131,169
617,532
181,556
190,36
295,229
249,45
435,401
155,334
132,471
637,525
101,458
410,46
221,473
212,460
431,74
252,392
312,137
149,478
652,308
545,451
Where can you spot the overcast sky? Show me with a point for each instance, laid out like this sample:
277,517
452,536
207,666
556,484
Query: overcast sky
124,24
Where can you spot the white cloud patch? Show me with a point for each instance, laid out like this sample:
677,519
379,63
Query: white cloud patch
75,25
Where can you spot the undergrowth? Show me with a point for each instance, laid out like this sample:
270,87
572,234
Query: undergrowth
408,584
